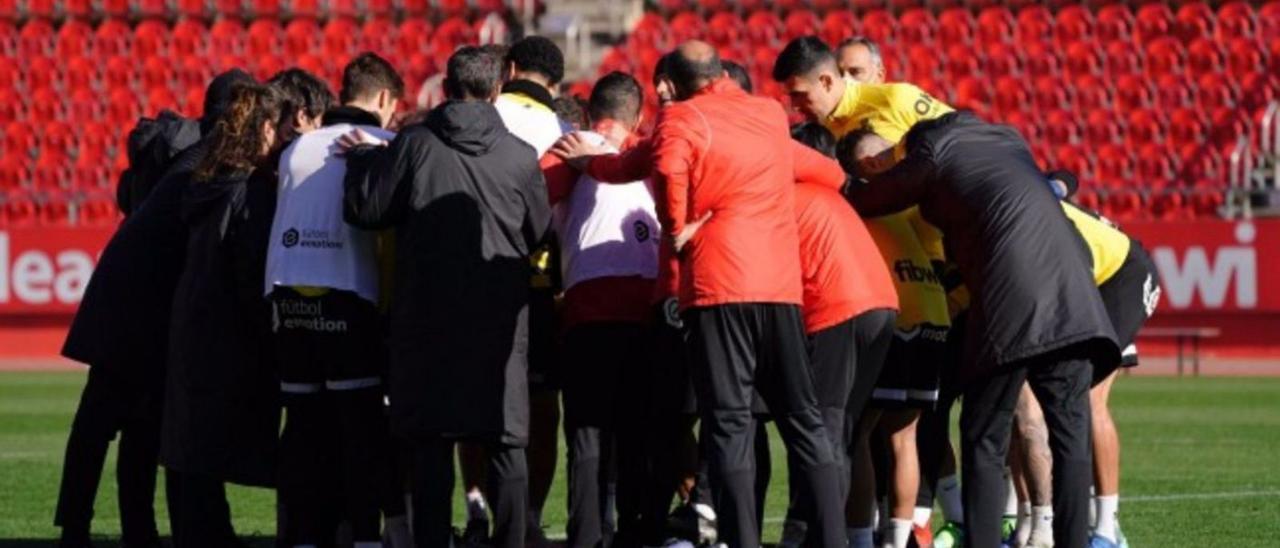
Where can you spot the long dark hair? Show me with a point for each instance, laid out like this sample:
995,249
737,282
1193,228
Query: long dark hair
237,140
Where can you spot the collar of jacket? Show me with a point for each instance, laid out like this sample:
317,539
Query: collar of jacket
529,89
471,127
350,115
720,86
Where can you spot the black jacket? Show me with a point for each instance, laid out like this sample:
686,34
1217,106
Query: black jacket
123,319
468,203
222,413
1027,269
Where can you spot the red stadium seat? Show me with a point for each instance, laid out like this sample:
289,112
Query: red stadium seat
449,35
56,210
922,62
1202,165
1092,93
763,29
1123,59
1167,205
1145,126
1216,91
1205,55
123,109
1229,125
1041,62
1035,25
917,26
1062,127
115,9
1204,203
1012,95
1258,90
75,38
725,29
1001,60
880,26
14,173
20,210
41,9
98,210
1102,128
1269,19
341,38
379,36
84,105
193,9
1245,57
306,9
51,173
112,37
1074,24
799,23
227,36
193,73
413,37
1154,20
301,37
415,8
11,108
264,39
1236,20
79,73
687,26
229,9
190,39
42,73
1174,91
1123,204
1075,160
265,9
995,25
956,26
1087,199
1156,166
1194,20
961,62
8,10
1051,93
1083,59
1165,56
150,37
1187,126
839,25
973,93
36,38
1114,23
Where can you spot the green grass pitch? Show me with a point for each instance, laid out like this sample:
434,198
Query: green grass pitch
1200,462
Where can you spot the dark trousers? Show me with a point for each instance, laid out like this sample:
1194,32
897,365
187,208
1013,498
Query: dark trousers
933,432
199,515
738,349
846,360
108,405
507,490
335,464
604,413
1061,382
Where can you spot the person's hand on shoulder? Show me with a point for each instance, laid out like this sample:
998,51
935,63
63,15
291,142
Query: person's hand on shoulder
356,138
575,150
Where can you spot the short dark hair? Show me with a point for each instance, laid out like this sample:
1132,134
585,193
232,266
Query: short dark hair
816,137
570,109
845,147
662,69
302,91
685,73
616,96
368,74
739,75
800,57
537,54
472,73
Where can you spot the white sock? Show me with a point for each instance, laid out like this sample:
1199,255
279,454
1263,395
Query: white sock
949,499
921,516
1107,525
897,533
477,508
860,537
1011,494
1023,532
1042,522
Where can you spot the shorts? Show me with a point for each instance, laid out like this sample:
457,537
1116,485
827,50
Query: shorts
910,377
332,341
1130,297
544,344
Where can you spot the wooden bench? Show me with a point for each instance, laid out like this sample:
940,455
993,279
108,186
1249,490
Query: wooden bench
1183,335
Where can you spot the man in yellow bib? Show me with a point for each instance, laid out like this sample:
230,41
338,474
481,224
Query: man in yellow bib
808,70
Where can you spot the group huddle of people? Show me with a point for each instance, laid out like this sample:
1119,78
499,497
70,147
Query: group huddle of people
330,298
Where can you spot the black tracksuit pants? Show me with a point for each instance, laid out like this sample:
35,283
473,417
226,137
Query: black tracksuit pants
738,349
1061,381
507,490
603,386
846,360
199,515
110,404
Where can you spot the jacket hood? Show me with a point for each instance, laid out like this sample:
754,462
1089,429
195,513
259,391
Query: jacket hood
470,127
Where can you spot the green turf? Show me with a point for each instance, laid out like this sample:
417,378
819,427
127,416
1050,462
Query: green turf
1200,459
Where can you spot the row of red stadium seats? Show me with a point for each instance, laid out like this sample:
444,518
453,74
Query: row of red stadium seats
96,209
15,10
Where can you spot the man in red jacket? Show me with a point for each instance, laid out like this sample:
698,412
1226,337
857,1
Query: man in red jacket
722,158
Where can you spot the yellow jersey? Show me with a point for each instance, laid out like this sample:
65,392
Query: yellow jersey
1108,246
909,244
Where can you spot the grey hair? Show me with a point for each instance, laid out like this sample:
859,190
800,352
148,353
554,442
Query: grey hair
872,47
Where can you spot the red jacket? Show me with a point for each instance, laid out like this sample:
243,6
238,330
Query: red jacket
841,270
637,162
726,153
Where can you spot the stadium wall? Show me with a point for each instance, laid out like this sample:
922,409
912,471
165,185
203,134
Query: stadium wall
1214,274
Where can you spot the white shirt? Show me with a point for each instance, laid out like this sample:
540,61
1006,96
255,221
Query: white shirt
531,121
607,229
311,245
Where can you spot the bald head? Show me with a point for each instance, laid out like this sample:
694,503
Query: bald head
694,65
863,153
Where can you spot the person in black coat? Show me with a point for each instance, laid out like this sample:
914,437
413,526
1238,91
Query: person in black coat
1036,314
120,331
221,408
469,204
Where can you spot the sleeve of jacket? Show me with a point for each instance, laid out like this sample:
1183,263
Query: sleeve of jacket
560,177
537,220
814,168
379,182
897,188
630,165
673,163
